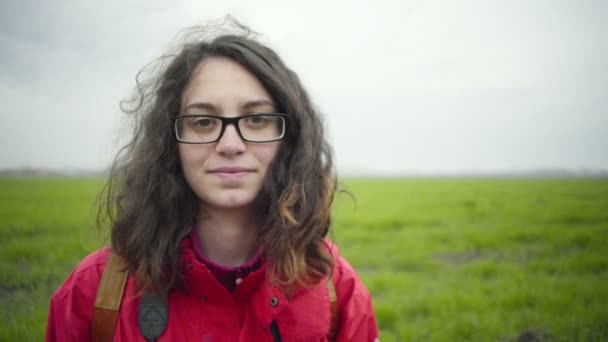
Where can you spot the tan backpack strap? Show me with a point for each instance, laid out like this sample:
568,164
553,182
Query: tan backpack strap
109,296
333,307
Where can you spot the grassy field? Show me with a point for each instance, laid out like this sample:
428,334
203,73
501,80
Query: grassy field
445,259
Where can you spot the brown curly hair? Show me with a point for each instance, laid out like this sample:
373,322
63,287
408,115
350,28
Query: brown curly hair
148,203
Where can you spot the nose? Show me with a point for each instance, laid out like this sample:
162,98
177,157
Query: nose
230,143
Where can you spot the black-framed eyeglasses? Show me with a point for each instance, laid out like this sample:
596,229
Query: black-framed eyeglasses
206,129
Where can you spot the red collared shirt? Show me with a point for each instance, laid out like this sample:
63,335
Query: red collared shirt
229,277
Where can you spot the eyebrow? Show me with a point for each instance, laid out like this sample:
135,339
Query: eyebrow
257,103
246,105
200,105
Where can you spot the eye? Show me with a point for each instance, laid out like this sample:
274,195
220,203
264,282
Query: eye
256,120
203,122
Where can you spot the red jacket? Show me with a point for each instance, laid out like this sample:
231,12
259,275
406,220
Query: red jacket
206,311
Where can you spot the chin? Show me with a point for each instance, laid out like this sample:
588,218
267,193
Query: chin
231,201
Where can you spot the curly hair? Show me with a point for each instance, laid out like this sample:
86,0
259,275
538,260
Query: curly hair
150,207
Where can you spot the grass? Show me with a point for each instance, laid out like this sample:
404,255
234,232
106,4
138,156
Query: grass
46,227
481,259
445,259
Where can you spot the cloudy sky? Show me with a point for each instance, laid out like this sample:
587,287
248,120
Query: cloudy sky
406,86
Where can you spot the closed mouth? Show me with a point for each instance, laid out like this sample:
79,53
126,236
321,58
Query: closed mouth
231,170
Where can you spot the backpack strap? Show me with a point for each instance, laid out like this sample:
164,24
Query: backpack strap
109,297
153,316
333,307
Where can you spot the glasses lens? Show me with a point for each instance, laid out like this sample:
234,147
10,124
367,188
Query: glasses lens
199,129
262,127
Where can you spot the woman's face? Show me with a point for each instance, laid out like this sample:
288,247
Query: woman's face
228,173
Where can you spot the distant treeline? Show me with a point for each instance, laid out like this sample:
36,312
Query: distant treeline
27,172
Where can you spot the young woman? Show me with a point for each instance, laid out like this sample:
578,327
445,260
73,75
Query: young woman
219,207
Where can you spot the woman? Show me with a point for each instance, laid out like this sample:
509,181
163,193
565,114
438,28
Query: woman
219,207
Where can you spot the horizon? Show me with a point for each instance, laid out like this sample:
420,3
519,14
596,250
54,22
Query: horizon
530,173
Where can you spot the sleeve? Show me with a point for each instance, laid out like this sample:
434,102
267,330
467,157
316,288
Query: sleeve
71,307
357,321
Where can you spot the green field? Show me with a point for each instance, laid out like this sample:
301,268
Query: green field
445,259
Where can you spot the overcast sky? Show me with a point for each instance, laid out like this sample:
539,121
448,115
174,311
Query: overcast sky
406,86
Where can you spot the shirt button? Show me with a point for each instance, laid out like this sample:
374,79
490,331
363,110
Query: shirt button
239,280
274,301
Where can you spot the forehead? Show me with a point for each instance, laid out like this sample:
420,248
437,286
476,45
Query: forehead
223,83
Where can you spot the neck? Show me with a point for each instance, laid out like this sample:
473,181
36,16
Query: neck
228,236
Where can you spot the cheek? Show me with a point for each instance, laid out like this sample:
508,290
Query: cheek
184,157
266,153
192,156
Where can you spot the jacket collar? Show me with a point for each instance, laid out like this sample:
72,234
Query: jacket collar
199,282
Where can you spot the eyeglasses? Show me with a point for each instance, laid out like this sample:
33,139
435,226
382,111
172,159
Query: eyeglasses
206,129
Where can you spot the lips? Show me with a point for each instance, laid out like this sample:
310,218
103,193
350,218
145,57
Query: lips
231,172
